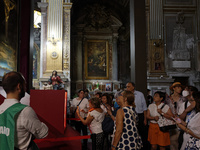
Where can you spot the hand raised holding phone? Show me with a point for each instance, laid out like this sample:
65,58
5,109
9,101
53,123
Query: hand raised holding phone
177,120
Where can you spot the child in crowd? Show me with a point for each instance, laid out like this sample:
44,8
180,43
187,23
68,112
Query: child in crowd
95,118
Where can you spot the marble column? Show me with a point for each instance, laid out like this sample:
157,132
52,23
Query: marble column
55,37
66,45
115,58
138,56
43,38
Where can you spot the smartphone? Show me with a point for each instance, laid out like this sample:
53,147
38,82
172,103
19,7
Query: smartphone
178,120
173,119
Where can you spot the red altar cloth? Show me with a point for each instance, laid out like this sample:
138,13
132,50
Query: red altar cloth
50,106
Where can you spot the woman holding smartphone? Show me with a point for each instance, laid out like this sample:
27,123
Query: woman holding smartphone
191,137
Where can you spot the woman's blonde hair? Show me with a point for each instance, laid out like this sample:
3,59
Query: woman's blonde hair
130,97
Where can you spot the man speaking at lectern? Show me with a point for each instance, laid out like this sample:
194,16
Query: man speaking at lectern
19,124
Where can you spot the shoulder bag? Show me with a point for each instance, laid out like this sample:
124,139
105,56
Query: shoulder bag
165,124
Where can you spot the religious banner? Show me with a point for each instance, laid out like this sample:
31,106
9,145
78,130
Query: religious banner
96,59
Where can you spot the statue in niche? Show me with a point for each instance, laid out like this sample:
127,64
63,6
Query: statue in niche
178,38
179,33
182,45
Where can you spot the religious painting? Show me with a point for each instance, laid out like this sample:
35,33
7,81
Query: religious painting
96,59
8,35
103,87
157,66
108,87
88,86
115,86
156,58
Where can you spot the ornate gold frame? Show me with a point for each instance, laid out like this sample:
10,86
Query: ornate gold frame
103,43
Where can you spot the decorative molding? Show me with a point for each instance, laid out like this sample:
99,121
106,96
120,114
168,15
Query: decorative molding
98,17
66,38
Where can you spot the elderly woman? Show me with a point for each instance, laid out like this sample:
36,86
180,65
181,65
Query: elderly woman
191,137
125,131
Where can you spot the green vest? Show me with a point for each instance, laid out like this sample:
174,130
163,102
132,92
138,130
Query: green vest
7,126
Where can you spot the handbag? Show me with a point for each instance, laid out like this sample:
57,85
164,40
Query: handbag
165,124
108,124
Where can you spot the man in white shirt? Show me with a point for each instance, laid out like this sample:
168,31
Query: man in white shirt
26,126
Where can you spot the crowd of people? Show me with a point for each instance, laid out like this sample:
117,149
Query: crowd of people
131,122
137,120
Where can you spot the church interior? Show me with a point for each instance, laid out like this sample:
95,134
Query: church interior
100,45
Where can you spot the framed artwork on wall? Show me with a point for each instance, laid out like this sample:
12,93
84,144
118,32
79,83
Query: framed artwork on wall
108,87
9,35
96,59
157,57
103,87
88,86
116,86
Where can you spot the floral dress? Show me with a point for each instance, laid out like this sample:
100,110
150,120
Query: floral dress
191,142
130,138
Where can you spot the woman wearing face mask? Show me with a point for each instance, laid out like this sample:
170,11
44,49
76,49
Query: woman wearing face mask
187,109
189,104
174,102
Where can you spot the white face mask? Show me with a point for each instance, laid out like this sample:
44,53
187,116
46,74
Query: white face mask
185,93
